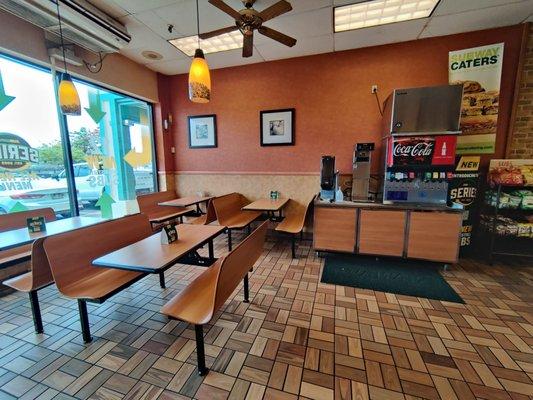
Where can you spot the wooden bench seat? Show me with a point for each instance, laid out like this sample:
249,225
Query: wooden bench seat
71,254
228,210
294,222
149,205
203,297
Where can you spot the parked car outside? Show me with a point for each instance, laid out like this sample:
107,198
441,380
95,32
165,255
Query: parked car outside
33,194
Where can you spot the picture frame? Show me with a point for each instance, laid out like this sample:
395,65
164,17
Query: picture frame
202,131
277,127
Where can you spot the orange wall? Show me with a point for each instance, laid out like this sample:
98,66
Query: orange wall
331,95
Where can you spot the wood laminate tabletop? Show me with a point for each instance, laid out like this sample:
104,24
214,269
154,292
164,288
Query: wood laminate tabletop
185,201
21,236
149,255
266,205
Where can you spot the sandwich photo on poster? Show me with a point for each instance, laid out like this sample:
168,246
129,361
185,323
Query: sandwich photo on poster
479,70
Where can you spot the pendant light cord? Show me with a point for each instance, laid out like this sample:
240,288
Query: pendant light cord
61,36
197,22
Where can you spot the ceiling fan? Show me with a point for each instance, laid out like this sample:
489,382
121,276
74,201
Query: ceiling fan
248,19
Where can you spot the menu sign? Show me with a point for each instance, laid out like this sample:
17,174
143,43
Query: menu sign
36,224
169,234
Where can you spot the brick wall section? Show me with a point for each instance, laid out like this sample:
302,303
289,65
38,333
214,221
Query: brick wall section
521,145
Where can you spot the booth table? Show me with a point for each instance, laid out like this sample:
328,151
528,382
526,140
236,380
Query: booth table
21,236
270,206
149,255
187,201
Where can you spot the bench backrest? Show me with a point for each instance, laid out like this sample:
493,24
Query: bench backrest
209,216
41,274
303,212
149,202
17,220
70,254
227,206
238,263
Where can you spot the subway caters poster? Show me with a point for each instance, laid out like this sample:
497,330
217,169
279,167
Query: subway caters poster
479,69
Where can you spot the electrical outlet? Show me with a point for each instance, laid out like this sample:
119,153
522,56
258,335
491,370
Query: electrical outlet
173,150
374,89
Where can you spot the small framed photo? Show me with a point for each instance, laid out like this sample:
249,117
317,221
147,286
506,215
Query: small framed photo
202,131
277,127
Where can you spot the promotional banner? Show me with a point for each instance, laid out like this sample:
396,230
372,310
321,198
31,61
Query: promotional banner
479,70
422,150
463,191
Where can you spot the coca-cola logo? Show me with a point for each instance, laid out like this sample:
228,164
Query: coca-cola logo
421,149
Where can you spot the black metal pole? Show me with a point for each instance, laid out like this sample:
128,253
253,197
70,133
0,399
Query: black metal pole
246,289
200,353
36,312
293,245
210,249
229,239
84,320
162,280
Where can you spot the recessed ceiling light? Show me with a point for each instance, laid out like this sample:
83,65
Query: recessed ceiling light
224,42
152,55
380,12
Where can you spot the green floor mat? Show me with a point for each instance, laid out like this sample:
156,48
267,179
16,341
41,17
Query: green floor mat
407,277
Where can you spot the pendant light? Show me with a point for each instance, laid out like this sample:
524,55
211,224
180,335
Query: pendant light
199,78
69,101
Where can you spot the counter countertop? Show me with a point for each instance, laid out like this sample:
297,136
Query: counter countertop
413,207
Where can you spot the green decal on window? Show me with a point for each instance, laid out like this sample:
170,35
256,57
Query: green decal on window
4,98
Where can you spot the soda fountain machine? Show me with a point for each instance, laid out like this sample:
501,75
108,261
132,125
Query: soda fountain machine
420,136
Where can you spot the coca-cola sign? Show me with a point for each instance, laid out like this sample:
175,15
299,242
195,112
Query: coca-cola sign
413,150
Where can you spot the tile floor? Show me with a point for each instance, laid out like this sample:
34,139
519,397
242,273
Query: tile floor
297,338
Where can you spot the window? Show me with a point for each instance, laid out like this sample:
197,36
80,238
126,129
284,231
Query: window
31,153
111,147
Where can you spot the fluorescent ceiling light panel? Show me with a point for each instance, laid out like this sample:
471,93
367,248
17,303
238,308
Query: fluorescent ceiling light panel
224,42
380,12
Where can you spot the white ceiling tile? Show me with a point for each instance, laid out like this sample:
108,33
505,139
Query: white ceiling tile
141,35
485,18
458,6
110,8
167,51
171,67
378,35
305,46
135,6
230,58
308,24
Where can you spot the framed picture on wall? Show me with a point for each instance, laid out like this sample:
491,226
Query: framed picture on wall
277,127
202,131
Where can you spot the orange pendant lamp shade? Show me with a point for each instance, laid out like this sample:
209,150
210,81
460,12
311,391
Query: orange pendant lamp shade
69,101
199,79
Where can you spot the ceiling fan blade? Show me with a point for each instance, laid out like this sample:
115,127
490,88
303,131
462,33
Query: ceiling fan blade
225,8
281,7
277,36
217,32
248,45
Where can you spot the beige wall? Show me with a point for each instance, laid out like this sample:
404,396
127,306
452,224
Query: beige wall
20,38
298,187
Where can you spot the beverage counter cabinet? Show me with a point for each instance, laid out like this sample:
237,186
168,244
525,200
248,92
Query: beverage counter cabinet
399,230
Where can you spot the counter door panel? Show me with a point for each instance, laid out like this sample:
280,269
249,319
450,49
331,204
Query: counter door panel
382,232
334,229
434,236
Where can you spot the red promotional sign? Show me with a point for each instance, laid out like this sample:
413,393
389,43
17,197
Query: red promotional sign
444,153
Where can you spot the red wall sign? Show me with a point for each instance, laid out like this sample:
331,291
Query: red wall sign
444,153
